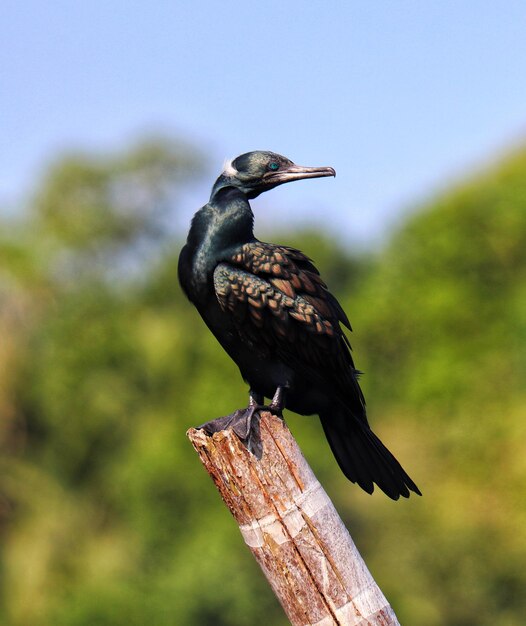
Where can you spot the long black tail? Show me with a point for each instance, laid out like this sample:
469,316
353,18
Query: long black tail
363,458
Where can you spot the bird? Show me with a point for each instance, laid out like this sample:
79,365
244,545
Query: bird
273,314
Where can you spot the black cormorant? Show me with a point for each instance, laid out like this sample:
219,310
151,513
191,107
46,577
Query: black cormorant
271,311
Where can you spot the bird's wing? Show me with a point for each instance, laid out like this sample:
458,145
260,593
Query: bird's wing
293,273
280,304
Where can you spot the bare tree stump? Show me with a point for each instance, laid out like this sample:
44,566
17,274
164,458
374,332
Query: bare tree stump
292,528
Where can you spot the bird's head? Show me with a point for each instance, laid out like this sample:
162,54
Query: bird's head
258,171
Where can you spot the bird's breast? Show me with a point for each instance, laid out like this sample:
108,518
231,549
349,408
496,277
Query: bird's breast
196,269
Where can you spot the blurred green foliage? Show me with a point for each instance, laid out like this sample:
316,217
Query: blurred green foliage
107,518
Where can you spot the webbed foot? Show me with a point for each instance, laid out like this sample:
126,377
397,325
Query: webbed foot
245,422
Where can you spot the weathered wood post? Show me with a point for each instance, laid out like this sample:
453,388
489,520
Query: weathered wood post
292,528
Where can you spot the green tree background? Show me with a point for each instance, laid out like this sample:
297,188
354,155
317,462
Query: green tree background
107,518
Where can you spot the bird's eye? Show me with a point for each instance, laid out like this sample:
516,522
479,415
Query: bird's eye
273,166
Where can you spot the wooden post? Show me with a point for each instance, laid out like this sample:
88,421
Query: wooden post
292,528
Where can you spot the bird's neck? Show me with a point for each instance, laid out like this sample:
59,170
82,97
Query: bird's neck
219,227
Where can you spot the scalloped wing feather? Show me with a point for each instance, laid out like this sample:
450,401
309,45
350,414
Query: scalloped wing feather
281,304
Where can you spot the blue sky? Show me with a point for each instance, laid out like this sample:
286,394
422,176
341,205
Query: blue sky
399,96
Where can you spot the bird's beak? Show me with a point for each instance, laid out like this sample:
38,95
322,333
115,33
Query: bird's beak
297,172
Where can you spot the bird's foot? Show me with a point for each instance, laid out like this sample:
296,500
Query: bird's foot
245,422
220,423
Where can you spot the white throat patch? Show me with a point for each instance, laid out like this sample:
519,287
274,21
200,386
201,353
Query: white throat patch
228,169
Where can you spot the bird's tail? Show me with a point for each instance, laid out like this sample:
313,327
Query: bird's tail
363,458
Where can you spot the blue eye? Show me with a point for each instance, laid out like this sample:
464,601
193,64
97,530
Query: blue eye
273,166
